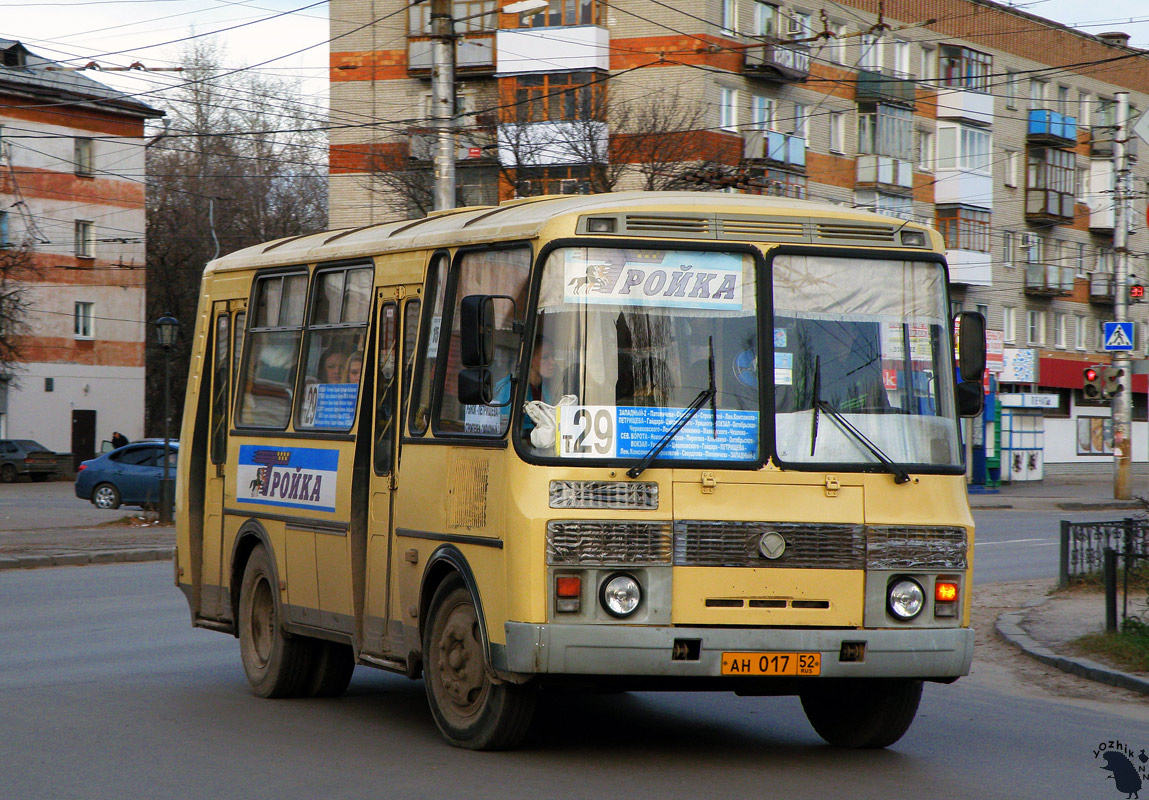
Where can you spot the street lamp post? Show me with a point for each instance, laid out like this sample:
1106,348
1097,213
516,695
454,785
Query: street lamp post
167,327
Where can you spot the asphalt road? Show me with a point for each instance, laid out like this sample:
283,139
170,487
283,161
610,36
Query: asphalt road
107,692
1011,545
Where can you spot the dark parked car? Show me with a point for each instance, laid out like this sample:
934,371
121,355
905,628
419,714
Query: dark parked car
25,457
129,476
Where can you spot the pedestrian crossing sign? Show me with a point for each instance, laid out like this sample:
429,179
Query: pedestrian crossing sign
1118,335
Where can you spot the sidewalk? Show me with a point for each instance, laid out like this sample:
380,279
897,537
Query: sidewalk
1086,491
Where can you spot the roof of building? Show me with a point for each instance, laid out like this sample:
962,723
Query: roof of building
662,215
24,72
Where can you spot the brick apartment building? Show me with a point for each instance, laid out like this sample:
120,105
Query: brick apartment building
990,123
72,189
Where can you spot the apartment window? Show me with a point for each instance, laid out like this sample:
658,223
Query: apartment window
556,96
481,13
1031,248
1008,323
799,25
887,131
4,240
926,151
1011,89
83,318
765,19
83,156
983,310
1106,112
1059,331
1008,253
535,181
1035,327
1084,107
728,110
965,148
729,16
837,131
964,228
1011,159
1105,259
928,64
891,205
1083,184
1080,332
836,48
762,113
802,121
1080,260
85,239
49,384
870,55
902,58
565,12
963,68
1054,173
1063,99
1037,93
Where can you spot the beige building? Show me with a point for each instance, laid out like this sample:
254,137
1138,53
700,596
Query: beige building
993,124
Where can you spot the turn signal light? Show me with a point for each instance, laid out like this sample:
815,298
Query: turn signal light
945,592
568,593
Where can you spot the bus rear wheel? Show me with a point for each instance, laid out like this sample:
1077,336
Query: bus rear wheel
470,709
863,713
276,665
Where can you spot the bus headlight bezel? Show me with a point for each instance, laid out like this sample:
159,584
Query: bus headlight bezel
905,598
620,595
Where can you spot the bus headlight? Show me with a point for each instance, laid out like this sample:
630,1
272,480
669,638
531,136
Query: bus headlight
905,599
620,595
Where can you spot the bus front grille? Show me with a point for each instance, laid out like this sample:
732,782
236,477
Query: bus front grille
700,543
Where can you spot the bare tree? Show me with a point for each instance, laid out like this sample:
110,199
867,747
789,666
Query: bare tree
241,161
17,268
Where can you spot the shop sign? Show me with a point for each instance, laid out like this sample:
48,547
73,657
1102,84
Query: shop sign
1030,400
1018,366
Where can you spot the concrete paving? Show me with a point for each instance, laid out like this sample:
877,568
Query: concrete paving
46,525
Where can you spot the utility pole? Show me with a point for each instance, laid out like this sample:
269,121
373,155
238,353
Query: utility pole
443,101
1123,400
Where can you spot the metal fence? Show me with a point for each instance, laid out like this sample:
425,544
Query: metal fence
1083,545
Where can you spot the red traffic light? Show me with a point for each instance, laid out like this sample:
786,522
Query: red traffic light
1090,374
1136,292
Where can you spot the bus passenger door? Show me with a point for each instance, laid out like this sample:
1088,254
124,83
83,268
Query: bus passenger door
228,320
392,369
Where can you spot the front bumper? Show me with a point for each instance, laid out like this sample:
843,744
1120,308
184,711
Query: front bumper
647,650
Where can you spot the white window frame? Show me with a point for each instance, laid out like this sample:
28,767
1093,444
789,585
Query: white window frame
1009,323
837,131
1010,89
1080,332
802,121
1037,93
929,64
84,160
728,110
927,150
1080,259
84,320
870,52
761,113
1008,251
765,19
1012,158
729,16
836,46
1059,330
965,148
1084,108
85,238
1035,327
902,53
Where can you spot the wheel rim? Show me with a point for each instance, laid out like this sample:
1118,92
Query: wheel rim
105,497
262,622
8,473
459,671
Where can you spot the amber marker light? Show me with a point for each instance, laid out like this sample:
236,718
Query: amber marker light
568,591
945,592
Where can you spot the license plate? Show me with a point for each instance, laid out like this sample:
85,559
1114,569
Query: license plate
772,664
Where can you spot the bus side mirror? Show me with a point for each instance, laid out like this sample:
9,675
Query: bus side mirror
476,386
969,398
477,331
971,346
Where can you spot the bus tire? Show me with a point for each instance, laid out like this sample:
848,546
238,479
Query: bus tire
331,669
471,710
276,665
863,713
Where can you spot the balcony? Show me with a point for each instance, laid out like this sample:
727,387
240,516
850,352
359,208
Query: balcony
970,268
777,62
778,149
886,172
469,145
1102,288
1052,128
874,87
1048,280
1049,207
1101,143
962,104
570,48
474,54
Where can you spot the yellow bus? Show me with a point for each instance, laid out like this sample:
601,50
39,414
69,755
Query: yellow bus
534,445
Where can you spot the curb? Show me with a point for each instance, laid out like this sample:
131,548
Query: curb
85,559
1009,628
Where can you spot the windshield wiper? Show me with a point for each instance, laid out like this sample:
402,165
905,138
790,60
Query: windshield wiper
817,403
899,472
688,414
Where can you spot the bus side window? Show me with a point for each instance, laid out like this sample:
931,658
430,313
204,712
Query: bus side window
426,364
272,351
222,373
385,407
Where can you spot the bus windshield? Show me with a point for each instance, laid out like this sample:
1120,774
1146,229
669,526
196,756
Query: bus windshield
624,343
862,343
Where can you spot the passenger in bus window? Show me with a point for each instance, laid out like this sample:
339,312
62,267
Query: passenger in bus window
354,368
331,365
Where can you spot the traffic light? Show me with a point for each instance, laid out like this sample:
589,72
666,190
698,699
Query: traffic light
1111,382
1091,386
1136,293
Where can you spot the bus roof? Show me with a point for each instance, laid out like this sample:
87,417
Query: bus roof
692,215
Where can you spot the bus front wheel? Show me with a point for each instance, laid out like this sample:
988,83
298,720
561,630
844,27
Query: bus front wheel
470,709
276,665
862,713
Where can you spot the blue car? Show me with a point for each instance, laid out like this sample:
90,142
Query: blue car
127,476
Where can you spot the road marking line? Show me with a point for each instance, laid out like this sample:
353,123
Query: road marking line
1012,541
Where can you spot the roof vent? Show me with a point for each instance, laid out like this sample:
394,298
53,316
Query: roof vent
1115,37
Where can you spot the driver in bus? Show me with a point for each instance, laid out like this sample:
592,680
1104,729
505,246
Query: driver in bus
539,382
